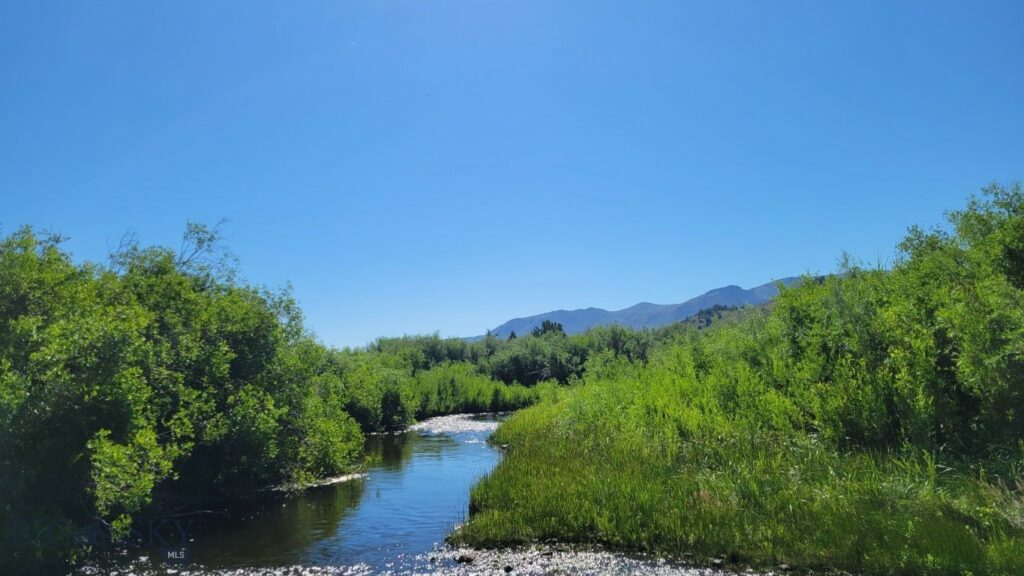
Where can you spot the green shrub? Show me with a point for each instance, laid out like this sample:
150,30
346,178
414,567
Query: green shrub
870,422
459,387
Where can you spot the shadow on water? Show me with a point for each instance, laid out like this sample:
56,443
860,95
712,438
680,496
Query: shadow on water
275,530
391,452
414,490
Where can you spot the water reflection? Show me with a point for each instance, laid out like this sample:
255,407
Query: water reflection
276,530
415,490
393,451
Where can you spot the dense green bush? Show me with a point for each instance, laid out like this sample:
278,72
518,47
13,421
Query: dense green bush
871,421
160,382
157,373
459,387
546,354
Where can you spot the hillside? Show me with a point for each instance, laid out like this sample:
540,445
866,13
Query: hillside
645,314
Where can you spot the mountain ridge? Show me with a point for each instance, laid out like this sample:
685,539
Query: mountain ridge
645,314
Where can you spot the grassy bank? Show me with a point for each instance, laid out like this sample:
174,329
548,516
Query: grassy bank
870,421
644,461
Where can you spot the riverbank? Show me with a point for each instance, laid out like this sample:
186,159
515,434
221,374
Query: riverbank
734,497
391,520
538,560
411,492
317,483
869,421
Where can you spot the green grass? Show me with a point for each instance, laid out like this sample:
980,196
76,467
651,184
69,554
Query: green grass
870,421
648,459
454,388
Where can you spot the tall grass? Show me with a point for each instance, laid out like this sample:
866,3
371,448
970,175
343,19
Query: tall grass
456,387
872,421
704,451
644,459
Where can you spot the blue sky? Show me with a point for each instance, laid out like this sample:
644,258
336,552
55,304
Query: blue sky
419,166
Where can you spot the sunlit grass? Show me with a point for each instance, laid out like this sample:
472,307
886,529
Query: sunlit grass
646,461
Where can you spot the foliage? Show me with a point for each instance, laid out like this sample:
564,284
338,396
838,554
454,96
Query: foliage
459,387
160,382
871,422
547,327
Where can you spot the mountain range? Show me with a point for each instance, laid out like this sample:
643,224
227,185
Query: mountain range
645,314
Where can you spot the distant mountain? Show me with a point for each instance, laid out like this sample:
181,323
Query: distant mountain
645,314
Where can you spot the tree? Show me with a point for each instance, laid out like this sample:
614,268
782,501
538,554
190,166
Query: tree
548,327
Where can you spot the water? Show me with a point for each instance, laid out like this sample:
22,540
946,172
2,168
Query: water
391,520
408,501
413,493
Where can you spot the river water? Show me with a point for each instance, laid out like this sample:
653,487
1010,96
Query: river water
392,519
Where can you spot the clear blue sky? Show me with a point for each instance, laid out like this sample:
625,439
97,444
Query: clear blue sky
419,166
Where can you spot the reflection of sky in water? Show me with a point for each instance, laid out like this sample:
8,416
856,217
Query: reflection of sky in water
413,494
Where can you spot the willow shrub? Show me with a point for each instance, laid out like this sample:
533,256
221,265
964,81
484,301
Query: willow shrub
460,387
146,383
659,458
871,422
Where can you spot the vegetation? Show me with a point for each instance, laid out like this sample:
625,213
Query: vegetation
871,421
459,388
159,382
